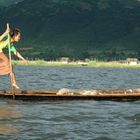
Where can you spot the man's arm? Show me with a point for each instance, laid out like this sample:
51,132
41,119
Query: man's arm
13,50
5,33
20,56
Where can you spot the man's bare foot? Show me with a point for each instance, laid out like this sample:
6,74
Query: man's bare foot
16,86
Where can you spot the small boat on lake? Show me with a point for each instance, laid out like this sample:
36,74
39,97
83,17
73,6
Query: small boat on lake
70,94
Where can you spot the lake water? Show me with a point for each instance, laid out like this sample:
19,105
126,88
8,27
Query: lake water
71,120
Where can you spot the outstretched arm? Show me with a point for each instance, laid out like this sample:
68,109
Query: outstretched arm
20,56
6,32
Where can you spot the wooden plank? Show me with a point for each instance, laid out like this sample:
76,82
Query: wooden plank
118,94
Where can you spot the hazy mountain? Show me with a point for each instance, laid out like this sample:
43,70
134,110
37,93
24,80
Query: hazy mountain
77,28
9,2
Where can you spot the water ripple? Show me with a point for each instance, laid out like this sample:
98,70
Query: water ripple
88,120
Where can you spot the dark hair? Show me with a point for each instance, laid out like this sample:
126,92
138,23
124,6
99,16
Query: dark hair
15,32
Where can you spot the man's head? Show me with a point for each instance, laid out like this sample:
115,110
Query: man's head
16,35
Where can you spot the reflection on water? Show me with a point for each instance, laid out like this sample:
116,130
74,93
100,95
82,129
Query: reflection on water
7,129
7,112
73,120
7,115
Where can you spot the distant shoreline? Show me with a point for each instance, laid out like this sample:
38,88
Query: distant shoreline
94,64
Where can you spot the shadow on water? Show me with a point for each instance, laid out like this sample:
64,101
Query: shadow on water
7,117
103,138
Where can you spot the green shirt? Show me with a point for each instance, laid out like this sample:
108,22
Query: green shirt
12,47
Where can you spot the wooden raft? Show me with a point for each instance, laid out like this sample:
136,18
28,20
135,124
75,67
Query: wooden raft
66,94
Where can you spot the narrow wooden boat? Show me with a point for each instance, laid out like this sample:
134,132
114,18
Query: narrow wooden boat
67,94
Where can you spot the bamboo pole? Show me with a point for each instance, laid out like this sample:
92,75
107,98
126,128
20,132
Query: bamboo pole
10,63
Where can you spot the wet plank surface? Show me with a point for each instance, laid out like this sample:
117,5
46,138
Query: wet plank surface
67,94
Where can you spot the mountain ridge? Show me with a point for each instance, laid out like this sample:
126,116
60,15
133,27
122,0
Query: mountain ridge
105,30
7,3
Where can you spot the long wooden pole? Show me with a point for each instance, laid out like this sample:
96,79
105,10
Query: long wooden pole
11,69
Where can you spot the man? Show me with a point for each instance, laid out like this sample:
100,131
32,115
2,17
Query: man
4,62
